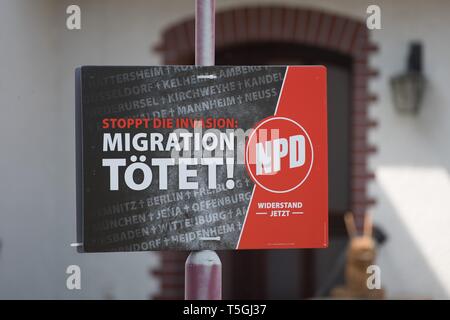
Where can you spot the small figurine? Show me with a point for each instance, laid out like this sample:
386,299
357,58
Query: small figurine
361,254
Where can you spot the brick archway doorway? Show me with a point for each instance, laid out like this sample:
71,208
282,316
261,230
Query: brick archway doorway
279,35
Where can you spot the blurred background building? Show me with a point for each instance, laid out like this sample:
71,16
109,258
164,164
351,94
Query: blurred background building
391,164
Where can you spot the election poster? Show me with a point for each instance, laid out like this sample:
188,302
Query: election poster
192,158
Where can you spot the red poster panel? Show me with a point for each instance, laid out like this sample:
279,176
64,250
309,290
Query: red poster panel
289,205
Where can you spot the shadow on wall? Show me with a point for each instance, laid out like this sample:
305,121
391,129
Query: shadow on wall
409,268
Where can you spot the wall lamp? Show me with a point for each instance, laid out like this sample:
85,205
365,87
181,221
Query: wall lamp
408,88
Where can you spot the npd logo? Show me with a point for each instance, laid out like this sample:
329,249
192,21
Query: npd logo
279,155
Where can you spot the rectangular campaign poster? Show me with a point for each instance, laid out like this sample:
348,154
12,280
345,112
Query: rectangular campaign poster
192,158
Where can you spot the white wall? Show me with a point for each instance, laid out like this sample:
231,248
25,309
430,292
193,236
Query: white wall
412,166
37,168
37,195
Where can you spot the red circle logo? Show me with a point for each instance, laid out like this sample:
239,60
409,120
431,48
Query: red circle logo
279,155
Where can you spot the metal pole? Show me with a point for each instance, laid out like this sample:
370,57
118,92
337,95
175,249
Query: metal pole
204,32
203,269
203,276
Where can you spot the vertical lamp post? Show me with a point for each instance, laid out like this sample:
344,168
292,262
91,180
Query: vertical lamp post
203,269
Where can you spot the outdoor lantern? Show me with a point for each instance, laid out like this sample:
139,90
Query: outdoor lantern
408,88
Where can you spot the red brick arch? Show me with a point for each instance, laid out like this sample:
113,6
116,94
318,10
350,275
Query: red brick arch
278,24
308,27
